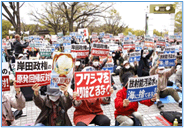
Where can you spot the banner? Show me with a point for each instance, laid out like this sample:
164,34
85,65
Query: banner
67,47
99,49
167,59
134,56
92,84
169,50
142,88
45,52
82,50
29,72
5,77
63,65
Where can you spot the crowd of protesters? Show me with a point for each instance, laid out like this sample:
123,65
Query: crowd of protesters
54,103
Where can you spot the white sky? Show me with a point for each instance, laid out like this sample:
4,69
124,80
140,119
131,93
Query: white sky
132,13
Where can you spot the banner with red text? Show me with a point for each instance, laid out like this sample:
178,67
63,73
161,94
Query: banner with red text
5,77
92,84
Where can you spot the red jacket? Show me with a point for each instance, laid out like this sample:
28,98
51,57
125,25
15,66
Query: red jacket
87,111
132,107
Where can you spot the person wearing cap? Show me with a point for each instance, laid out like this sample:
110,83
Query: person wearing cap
162,90
8,102
125,110
18,47
53,106
127,69
143,68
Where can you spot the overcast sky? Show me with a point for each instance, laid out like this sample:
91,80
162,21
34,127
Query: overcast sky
132,13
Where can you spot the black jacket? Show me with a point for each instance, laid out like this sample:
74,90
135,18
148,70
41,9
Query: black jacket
18,47
144,64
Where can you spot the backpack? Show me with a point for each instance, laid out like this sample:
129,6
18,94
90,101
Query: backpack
171,115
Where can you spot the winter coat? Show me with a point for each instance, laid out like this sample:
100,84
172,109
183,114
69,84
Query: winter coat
162,81
132,107
144,64
46,107
18,47
178,78
17,102
123,73
86,110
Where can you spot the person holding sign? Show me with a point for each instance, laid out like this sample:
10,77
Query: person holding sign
17,102
53,106
90,112
126,110
162,90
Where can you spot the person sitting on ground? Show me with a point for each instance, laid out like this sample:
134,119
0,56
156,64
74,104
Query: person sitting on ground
125,109
143,69
8,102
53,106
90,112
127,69
178,78
162,90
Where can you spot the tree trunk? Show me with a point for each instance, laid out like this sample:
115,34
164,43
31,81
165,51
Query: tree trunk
18,20
70,26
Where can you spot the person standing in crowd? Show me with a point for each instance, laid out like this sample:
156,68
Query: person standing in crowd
143,69
18,47
162,90
127,70
53,106
121,59
125,110
90,112
73,41
8,102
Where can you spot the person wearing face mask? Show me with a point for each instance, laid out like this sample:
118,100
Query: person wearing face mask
143,69
53,106
127,70
125,110
162,90
94,62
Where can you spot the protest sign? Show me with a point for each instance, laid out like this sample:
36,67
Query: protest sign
45,52
83,32
149,43
5,77
134,56
169,50
113,47
63,65
29,72
167,59
67,47
141,88
99,49
128,45
109,64
54,38
94,34
160,42
92,84
102,34
82,50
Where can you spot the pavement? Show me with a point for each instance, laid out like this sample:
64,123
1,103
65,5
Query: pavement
149,113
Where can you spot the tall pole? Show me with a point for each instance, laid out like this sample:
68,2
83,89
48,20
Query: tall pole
146,24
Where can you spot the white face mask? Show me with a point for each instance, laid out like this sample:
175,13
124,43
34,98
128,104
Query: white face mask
96,63
127,67
113,55
144,55
161,71
54,98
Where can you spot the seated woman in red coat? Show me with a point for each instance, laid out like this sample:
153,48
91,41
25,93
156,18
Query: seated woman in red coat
90,112
125,108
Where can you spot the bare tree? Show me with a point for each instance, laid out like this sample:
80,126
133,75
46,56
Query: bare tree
50,17
80,11
13,14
